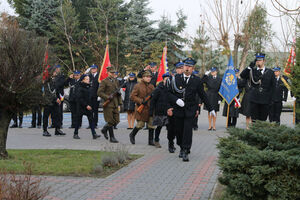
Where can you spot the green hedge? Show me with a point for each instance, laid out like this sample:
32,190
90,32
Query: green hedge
261,163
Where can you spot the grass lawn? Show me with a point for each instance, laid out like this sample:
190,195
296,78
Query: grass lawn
58,162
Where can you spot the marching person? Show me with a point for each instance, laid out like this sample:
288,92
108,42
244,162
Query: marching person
182,90
159,107
53,103
83,106
94,77
59,87
129,105
109,91
195,125
171,132
263,83
213,83
140,93
73,83
280,94
234,106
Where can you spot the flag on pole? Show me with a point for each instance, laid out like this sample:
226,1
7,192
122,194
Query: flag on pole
106,63
290,62
229,89
45,65
163,67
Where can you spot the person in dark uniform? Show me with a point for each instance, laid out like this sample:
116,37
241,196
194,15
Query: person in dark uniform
213,83
245,104
263,83
83,106
36,120
129,105
195,126
234,106
94,76
280,94
171,132
15,119
110,90
53,99
159,106
73,83
182,90
140,92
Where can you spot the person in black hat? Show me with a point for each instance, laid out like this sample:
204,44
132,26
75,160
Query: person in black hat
280,94
129,105
262,81
94,77
83,106
73,83
183,105
213,84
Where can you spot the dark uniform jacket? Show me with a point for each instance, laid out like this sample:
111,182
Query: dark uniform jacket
107,87
213,87
74,85
159,102
83,98
50,92
280,91
60,84
94,85
261,93
193,86
128,103
139,93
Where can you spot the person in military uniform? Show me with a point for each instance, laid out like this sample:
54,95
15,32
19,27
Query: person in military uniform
73,83
182,90
152,67
52,97
94,77
280,94
263,83
171,133
213,84
234,107
109,90
15,119
83,106
140,92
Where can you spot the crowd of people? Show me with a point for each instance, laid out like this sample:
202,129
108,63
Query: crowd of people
175,102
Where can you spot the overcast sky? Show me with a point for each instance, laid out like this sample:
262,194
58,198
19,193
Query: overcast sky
194,8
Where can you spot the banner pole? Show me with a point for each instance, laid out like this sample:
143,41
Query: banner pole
227,115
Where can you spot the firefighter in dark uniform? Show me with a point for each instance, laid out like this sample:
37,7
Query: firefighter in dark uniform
109,90
53,103
59,86
182,90
280,94
263,83
171,133
195,126
94,76
73,83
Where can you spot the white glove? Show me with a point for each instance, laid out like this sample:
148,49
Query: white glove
98,99
212,113
248,67
180,103
219,102
126,77
207,72
87,71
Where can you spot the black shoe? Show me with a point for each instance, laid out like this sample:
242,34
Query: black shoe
14,126
132,135
59,132
209,129
171,148
39,126
46,134
181,153
195,129
31,126
150,137
75,136
104,131
112,138
95,136
129,128
185,157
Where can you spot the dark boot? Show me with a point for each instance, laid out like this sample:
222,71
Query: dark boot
75,136
112,138
95,135
181,153
104,131
171,147
133,134
150,137
185,156
59,132
46,134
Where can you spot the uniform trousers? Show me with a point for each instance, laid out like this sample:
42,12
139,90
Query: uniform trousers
232,121
73,110
171,129
95,107
36,110
259,111
184,132
15,118
55,115
89,115
275,112
111,116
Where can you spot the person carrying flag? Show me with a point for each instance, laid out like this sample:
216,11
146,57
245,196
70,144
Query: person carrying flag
262,81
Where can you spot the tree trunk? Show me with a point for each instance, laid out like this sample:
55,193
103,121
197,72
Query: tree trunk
5,118
237,43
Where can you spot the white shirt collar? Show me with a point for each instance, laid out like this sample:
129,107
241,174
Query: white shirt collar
263,70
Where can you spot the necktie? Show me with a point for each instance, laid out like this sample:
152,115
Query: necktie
186,80
260,70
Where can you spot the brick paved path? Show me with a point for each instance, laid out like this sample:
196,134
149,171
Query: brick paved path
158,175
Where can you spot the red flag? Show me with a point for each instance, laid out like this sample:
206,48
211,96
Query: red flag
106,63
45,66
163,67
290,62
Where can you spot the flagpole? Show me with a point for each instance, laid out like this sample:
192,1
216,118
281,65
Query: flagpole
227,115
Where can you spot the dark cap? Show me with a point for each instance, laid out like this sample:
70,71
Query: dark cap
179,64
153,64
189,62
260,56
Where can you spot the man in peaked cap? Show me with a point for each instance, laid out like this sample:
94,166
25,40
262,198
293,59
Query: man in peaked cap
262,83
94,76
280,95
183,105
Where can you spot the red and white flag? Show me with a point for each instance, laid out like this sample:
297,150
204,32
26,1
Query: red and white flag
106,63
